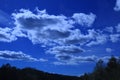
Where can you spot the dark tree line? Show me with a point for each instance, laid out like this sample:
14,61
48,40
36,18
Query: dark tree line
105,71
102,71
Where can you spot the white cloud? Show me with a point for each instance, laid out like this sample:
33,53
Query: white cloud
49,29
42,60
76,60
109,29
115,37
59,33
109,50
117,28
99,38
12,55
42,27
117,5
72,49
84,19
6,35
77,37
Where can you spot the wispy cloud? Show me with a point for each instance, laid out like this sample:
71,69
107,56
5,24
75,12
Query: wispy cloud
109,50
66,50
12,55
109,29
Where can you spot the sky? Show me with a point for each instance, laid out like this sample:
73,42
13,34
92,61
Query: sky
59,36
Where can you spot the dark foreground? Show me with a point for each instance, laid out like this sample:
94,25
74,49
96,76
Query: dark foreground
102,71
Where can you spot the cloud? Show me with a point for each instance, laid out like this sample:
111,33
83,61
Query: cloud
42,28
72,49
99,38
12,55
77,37
59,33
84,19
42,60
109,29
63,57
49,30
109,50
76,60
115,37
117,28
6,35
117,5
73,60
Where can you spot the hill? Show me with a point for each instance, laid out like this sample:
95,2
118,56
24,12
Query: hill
102,71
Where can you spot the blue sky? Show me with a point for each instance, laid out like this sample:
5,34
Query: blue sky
59,36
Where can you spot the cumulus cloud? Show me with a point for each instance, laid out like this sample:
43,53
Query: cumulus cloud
28,20
12,55
117,5
84,19
45,28
99,38
6,35
59,33
42,27
77,37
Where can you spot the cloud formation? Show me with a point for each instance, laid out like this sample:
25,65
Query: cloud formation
66,50
12,55
45,28
84,19
115,37
118,27
75,60
109,29
6,35
117,5
59,32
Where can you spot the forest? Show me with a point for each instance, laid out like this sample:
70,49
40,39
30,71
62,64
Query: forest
102,71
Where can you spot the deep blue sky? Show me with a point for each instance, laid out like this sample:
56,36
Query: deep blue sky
103,42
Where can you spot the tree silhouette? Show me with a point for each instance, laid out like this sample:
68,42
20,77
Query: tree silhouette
102,71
